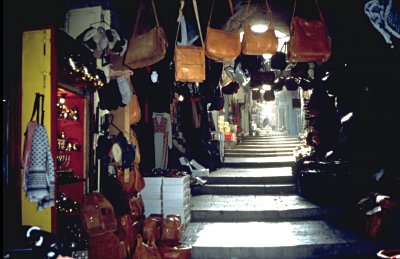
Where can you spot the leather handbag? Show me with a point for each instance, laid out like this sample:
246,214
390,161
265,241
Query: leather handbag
309,39
222,45
190,61
128,229
131,179
136,204
152,227
278,60
146,251
171,228
148,48
174,250
97,215
259,43
269,96
107,246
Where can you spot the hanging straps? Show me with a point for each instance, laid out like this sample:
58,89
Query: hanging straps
36,111
139,10
198,24
269,11
212,8
321,16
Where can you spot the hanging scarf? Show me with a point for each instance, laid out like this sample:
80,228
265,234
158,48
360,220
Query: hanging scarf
40,183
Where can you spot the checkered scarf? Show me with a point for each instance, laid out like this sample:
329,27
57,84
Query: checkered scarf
40,183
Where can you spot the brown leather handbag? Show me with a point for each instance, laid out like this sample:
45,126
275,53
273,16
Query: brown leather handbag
106,246
254,43
309,39
136,204
97,215
146,251
171,228
222,45
128,229
148,48
135,113
174,250
190,61
152,227
130,178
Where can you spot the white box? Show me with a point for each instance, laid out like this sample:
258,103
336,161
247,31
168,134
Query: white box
176,195
176,188
176,180
151,189
201,172
149,181
152,196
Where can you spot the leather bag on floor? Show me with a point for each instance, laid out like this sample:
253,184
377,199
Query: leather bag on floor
148,48
171,228
174,250
190,61
309,39
222,45
254,43
146,251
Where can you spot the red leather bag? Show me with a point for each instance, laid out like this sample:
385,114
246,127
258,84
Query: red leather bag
152,227
171,228
106,246
146,251
309,39
174,250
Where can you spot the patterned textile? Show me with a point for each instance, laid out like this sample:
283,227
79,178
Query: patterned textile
40,184
26,156
162,138
384,18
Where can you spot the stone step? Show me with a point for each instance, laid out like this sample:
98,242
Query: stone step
244,189
260,145
227,208
288,239
258,162
257,154
272,141
256,149
250,176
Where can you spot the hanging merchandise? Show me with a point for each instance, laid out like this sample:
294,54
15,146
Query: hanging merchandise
269,96
309,39
162,138
190,60
222,45
278,60
38,181
148,48
259,43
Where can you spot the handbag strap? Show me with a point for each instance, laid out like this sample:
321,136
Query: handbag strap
197,20
140,6
269,11
36,106
321,16
212,8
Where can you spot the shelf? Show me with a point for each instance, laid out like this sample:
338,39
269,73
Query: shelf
61,181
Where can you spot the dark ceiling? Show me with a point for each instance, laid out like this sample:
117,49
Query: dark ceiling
355,41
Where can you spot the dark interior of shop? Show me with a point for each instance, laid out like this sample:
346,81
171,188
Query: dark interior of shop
364,80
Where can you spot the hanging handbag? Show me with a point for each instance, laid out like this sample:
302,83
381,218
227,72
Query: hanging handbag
148,48
269,96
259,43
190,60
309,39
222,45
278,60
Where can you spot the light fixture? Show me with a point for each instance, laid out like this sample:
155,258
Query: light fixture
181,98
61,99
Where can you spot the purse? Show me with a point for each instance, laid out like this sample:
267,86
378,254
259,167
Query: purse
259,43
190,60
278,60
148,48
174,250
171,228
146,251
309,39
222,45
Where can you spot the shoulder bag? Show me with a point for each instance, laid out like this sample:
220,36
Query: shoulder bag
222,45
259,43
148,48
190,61
309,39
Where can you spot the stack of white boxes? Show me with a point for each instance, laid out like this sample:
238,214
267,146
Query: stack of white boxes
167,195
151,195
176,197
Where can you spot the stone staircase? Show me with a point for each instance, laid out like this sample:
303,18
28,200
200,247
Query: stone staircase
250,209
